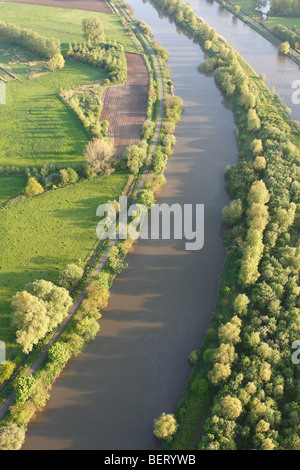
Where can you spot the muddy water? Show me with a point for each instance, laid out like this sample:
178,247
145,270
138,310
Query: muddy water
161,304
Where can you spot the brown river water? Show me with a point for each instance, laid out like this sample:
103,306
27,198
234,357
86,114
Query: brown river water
161,305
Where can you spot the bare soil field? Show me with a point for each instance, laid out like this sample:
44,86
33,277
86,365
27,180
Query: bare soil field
125,106
89,5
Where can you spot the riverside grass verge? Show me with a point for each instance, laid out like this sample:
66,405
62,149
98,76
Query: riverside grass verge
247,400
48,371
261,27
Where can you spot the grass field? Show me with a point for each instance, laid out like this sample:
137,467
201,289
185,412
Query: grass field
36,126
40,235
62,23
288,22
248,6
11,186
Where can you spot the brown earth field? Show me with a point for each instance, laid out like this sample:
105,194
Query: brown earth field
89,5
125,106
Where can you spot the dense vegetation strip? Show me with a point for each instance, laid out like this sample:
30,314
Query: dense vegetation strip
244,372
30,40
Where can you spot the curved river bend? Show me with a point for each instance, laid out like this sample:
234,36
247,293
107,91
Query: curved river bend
162,303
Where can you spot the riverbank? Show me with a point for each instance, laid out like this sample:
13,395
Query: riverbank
258,27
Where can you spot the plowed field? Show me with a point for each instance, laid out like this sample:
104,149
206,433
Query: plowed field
89,5
125,106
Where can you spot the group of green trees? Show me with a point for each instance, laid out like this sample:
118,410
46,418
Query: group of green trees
108,56
49,176
247,359
98,154
30,40
38,309
88,106
292,36
173,109
285,8
92,30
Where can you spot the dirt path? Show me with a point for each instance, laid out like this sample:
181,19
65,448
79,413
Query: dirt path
89,5
125,106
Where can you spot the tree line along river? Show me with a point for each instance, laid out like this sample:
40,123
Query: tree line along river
162,303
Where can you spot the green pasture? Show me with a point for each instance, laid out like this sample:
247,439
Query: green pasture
62,23
36,126
11,187
39,236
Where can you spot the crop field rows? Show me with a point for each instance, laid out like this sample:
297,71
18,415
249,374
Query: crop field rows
125,106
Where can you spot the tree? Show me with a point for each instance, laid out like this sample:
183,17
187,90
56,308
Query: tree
240,304
248,100
38,310
169,127
56,299
236,10
97,298
57,62
258,193
11,437
73,176
284,48
219,373
6,370
256,146
25,388
71,275
265,372
33,188
225,354
146,197
148,129
30,319
230,332
75,344
58,353
230,407
115,260
135,157
259,163
233,212
93,30
88,328
159,160
98,153
165,427
253,121
252,253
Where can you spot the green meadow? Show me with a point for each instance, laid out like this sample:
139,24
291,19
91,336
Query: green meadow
288,22
248,6
40,235
11,187
36,126
62,23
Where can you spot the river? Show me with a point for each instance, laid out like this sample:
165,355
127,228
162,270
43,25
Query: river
161,305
